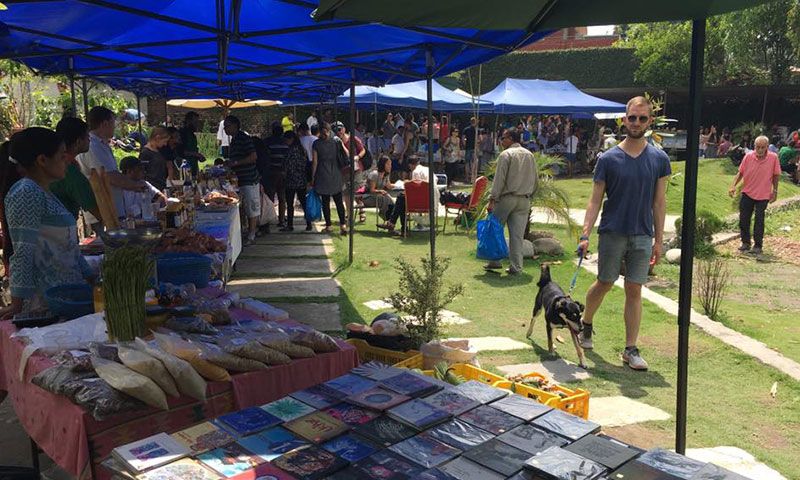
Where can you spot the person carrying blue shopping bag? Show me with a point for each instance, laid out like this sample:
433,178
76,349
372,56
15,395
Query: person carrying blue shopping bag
491,239
514,183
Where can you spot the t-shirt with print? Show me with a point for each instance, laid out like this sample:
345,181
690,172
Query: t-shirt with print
757,174
241,147
630,187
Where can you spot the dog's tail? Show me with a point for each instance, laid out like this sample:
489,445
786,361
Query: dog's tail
544,278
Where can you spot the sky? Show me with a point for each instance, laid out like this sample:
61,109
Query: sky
600,30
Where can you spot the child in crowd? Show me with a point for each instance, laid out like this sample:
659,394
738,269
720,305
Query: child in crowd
138,205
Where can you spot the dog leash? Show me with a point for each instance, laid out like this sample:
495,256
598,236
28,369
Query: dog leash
575,276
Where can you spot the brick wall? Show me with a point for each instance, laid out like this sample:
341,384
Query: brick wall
570,38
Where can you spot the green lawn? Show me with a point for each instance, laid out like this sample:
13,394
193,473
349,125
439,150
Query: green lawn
729,400
714,178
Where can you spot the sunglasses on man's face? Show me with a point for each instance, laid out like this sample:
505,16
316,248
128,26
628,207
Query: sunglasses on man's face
641,118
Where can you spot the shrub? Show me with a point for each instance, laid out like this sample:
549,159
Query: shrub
711,280
421,296
706,226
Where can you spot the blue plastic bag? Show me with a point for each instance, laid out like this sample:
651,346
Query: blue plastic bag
491,240
313,206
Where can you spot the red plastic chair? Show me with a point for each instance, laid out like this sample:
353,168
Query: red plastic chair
475,198
417,199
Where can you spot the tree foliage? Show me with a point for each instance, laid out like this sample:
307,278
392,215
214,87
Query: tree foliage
753,46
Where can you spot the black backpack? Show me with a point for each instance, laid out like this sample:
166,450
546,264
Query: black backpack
366,162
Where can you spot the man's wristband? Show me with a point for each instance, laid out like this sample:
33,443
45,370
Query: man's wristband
584,237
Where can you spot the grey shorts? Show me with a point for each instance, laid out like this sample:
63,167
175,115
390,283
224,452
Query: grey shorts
250,196
613,248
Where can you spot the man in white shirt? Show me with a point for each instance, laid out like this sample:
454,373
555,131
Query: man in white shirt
571,152
139,205
101,130
307,138
311,121
223,139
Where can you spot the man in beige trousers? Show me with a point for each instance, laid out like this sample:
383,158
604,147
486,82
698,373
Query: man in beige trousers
510,198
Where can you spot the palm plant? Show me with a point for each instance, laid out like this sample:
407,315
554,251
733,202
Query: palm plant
548,195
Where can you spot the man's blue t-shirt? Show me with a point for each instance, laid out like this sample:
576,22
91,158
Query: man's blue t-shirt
630,186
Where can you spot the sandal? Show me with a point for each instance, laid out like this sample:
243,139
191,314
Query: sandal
362,218
326,230
343,230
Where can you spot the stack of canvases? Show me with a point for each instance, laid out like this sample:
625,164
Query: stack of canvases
381,422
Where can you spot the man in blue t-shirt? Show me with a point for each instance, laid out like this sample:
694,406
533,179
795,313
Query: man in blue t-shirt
633,177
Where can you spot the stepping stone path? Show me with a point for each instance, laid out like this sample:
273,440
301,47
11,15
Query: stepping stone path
378,305
561,371
448,317
279,250
267,288
277,269
282,267
494,343
735,460
325,317
619,411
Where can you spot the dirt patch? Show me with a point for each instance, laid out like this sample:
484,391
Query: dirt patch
642,436
769,437
667,345
776,249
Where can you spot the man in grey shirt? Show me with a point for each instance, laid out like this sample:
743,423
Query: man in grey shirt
510,198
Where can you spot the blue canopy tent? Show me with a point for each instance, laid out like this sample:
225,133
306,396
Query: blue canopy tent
236,49
515,95
412,95
233,49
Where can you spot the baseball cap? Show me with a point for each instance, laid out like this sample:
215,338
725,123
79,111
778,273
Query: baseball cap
336,126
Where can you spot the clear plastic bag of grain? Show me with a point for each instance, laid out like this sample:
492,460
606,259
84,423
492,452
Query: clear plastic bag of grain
249,348
313,339
230,361
150,367
278,340
188,381
127,381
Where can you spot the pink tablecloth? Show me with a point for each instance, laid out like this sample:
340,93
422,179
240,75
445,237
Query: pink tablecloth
77,442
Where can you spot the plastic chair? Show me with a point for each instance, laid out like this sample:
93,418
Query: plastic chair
475,197
417,200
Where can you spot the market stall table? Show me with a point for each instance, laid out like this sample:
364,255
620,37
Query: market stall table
75,441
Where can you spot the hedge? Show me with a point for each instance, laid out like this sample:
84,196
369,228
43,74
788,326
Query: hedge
586,68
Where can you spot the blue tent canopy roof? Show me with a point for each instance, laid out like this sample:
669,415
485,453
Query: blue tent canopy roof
411,95
546,96
233,48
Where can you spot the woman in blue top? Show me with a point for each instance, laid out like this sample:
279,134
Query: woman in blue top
43,232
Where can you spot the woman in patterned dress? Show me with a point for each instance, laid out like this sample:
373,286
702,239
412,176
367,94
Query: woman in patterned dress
42,231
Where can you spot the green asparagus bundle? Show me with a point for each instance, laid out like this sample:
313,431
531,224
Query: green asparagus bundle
126,272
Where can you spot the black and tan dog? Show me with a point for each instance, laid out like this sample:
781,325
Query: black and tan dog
560,311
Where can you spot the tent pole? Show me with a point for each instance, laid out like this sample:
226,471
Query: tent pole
764,107
335,110
73,100
352,148
688,228
375,111
85,92
139,113
431,176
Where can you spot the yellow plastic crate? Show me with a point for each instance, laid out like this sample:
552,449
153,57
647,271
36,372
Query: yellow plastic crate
470,372
411,362
367,352
575,401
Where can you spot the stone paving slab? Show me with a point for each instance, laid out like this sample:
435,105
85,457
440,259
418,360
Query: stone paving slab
303,238
560,370
758,350
324,317
735,460
495,343
378,305
452,318
288,250
285,287
619,411
276,267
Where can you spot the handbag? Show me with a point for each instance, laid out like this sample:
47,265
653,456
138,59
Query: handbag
342,159
313,211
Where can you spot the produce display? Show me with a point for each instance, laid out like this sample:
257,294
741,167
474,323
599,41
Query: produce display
185,239
126,273
218,198
195,340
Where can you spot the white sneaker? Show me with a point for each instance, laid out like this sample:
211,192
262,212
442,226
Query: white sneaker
634,359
